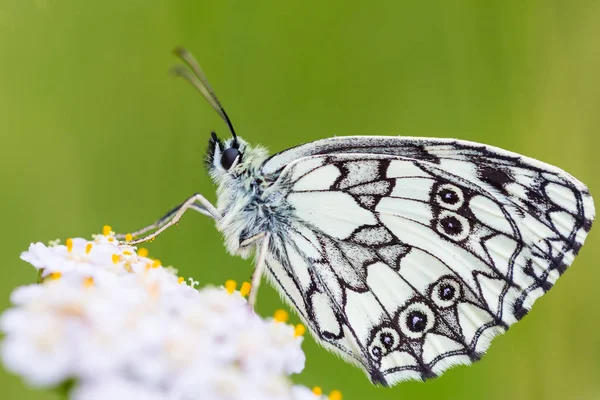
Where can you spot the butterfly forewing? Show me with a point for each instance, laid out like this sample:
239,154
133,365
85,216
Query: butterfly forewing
407,256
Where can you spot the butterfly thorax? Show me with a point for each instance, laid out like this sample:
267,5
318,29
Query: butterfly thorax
247,203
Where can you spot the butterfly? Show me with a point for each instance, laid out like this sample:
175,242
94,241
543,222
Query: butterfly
403,255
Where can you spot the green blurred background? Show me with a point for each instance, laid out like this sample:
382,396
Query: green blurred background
95,132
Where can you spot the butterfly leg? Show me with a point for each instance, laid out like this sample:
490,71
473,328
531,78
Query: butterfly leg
252,239
260,266
173,217
164,219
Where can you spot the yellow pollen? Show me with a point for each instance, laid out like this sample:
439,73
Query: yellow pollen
128,237
180,280
317,390
335,395
230,285
245,289
127,267
127,253
281,316
88,248
155,263
116,258
55,275
111,239
69,244
88,282
106,230
143,252
299,330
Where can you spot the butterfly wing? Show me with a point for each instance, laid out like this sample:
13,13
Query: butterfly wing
407,265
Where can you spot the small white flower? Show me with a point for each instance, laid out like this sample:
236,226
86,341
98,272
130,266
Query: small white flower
115,389
124,327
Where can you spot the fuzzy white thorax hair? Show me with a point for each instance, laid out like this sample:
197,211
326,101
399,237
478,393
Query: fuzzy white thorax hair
240,193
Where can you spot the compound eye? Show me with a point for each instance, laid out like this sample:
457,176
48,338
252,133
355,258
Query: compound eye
229,157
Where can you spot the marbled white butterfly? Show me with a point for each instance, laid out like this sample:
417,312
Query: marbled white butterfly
404,255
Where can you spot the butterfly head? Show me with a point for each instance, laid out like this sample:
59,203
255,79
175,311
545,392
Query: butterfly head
232,157
223,156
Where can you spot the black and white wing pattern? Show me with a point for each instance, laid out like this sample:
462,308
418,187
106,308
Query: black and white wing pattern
407,256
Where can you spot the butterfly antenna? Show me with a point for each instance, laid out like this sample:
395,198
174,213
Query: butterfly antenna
197,78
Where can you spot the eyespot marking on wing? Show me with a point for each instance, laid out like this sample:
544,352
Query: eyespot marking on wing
416,320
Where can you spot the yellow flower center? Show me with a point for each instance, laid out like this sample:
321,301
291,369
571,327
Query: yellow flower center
245,289
335,395
230,285
55,275
106,230
299,330
281,316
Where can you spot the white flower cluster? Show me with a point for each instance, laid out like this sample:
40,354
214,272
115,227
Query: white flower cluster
119,325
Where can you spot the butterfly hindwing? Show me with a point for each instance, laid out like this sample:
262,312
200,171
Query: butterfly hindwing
411,260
